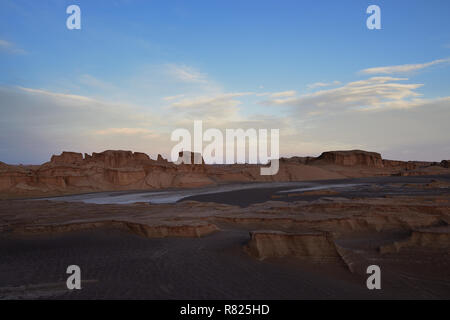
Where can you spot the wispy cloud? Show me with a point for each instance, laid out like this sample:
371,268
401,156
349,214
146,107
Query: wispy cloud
8,47
171,98
323,84
57,95
289,93
405,68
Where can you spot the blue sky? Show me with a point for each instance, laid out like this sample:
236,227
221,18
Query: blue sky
151,66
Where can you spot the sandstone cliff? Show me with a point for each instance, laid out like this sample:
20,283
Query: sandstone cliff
109,170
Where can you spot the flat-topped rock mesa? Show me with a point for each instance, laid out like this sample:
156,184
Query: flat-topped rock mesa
67,158
350,158
268,244
110,158
360,158
110,170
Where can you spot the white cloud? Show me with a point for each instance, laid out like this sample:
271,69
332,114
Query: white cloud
290,93
57,95
405,68
323,84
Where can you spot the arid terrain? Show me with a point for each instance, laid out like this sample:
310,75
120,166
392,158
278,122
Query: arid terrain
142,228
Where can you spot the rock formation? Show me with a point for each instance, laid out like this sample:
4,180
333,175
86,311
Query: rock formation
312,245
433,238
67,158
324,230
71,172
351,158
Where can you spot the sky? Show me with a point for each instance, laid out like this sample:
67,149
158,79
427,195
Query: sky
137,70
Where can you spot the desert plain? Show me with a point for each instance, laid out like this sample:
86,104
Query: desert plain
150,229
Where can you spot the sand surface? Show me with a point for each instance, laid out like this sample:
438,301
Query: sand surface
117,265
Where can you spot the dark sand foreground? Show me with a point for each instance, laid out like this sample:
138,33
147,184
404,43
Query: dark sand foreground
116,265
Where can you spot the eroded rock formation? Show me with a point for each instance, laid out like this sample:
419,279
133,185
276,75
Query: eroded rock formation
351,158
312,245
350,231
71,172
432,238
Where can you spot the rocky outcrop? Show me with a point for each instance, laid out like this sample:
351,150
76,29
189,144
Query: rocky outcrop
437,238
166,230
268,244
118,159
67,158
407,165
11,176
402,165
350,158
160,159
297,160
423,171
70,172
